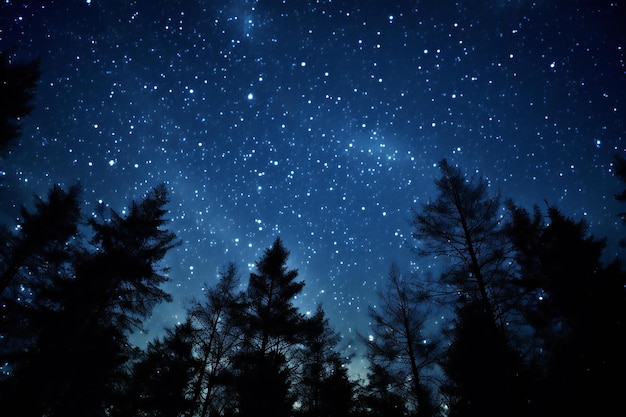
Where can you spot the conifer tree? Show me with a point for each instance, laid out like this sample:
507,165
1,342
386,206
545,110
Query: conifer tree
33,260
324,388
576,310
160,380
82,345
463,229
272,326
42,236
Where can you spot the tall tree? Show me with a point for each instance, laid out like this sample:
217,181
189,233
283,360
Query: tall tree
576,309
216,342
272,327
399,341
123,277
18,81
463,228
82,344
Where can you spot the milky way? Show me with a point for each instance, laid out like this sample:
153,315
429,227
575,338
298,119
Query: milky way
320,122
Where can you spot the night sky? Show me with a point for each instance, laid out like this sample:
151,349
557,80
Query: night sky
320,122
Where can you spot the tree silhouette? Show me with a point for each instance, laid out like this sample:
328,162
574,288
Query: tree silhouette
463,227
33,261
123,277
484,375
84,319
324,388
160,381
576,309
399,343
217,340
377,400
337,392
41,236
272,327
17,90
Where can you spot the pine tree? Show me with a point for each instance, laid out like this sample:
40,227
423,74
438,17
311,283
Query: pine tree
324,388
82,345
123,278
272,327
463,227
161,380
576,309
34,259
42,236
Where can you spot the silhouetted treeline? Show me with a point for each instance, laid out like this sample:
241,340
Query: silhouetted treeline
536,319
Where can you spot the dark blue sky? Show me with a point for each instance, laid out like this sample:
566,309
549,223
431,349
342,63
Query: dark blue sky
318,121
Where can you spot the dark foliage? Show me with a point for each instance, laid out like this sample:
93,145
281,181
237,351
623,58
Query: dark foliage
42,236
538,324
160,382
80,319
324,388
576,309
377,400
272,326
484,373
462,226
18,81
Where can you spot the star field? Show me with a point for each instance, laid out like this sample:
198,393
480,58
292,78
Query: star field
319,121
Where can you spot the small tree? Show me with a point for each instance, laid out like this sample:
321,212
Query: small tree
377,398
324,388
